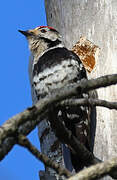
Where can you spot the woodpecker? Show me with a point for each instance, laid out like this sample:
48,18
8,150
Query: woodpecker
53,66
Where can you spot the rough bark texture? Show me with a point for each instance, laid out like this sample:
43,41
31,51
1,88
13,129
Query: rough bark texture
97,20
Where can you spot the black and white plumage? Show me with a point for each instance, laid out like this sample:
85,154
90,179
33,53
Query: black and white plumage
52,67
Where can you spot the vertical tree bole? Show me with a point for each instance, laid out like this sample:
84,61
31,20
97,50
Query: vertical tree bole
97,20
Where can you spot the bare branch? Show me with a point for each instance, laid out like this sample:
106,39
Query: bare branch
22,123
89,102
26,121
97,171
23,141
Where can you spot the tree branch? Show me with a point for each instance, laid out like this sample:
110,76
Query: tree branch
26,121
23,141
97,171
89,102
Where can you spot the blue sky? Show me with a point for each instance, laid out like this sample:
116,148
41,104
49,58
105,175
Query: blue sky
15,93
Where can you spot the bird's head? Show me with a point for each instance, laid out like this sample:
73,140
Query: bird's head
42,38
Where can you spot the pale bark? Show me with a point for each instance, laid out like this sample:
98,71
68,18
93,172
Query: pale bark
97,171
97,20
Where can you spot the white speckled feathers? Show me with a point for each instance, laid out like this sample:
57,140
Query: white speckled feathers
55,77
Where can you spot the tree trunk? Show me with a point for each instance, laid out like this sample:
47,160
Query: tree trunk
97,20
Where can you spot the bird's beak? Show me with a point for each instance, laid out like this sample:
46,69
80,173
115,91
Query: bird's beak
25,33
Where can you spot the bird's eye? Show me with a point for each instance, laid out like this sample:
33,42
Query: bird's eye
43,30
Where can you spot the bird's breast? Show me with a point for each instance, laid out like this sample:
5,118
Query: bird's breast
55,77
